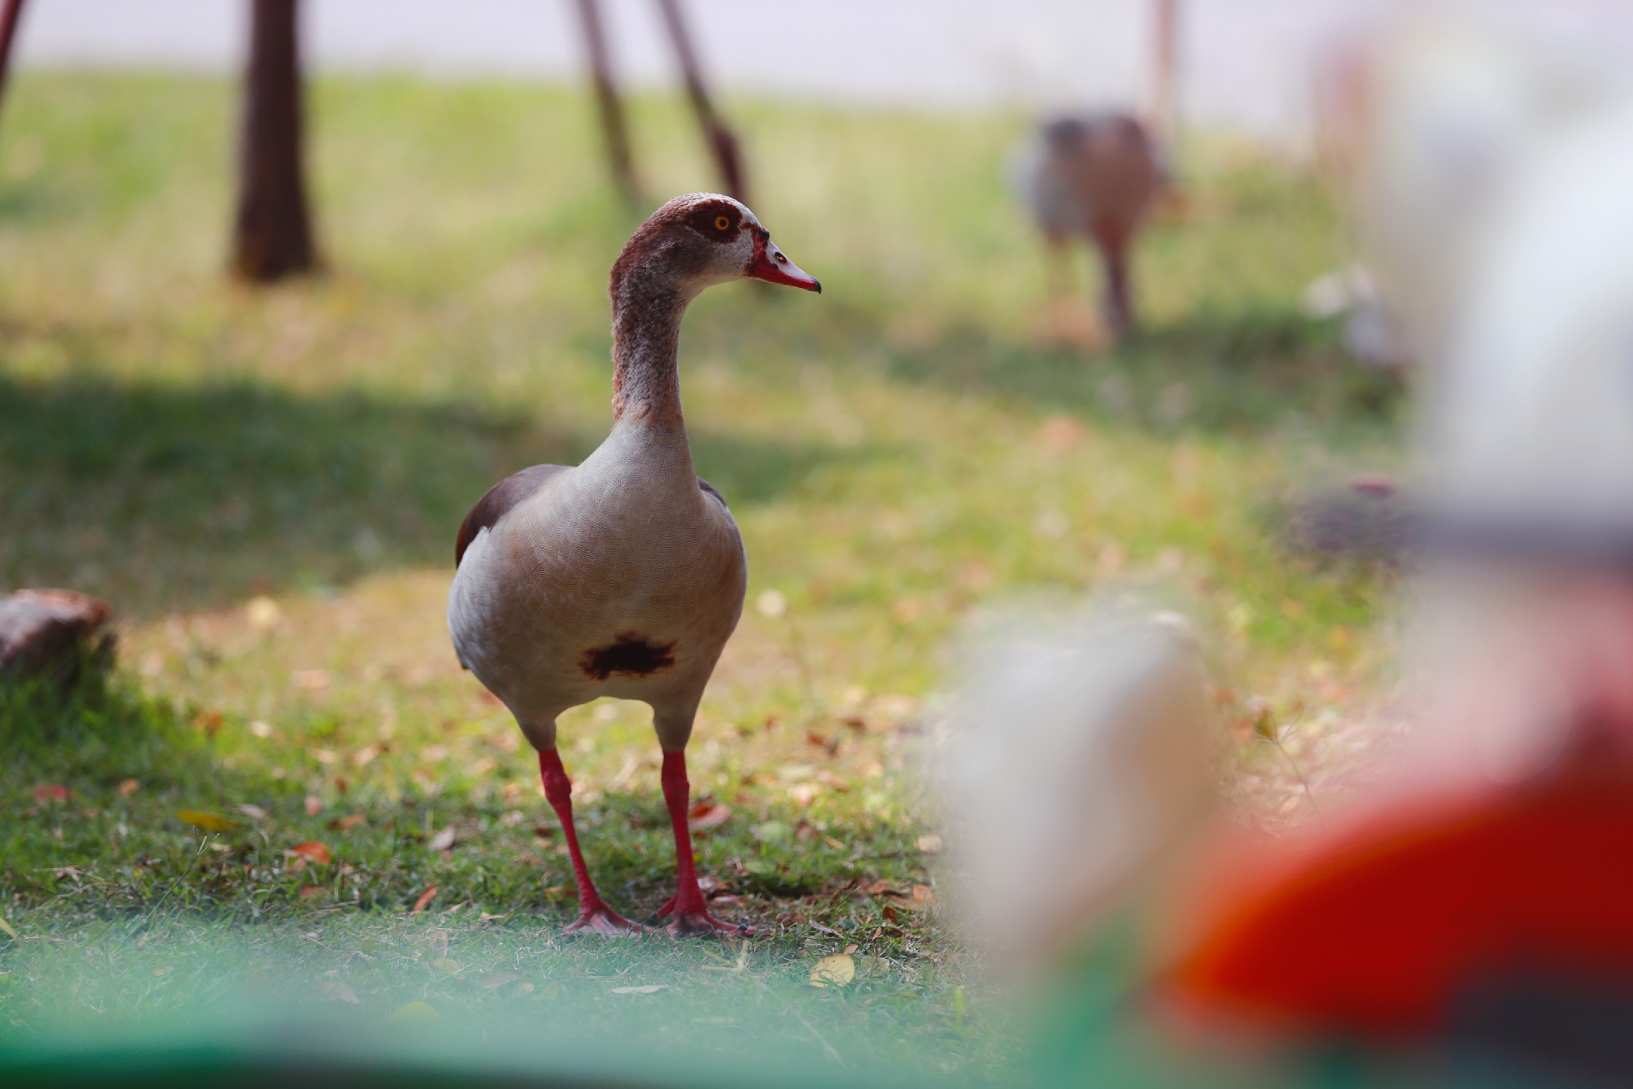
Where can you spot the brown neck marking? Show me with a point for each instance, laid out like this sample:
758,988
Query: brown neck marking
646,318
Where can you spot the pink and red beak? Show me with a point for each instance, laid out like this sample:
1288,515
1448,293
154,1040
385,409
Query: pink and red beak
773,266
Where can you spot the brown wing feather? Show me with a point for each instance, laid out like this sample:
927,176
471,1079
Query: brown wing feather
710,489
500,498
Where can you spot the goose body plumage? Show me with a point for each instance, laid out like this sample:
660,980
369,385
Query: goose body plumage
620,577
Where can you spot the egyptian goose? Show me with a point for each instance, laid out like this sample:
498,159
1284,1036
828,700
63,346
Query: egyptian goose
1092,176
623,576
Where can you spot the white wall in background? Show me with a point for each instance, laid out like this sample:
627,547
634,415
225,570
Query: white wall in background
1246,61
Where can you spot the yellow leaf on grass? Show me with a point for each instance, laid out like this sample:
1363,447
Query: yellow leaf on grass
415,1011
6,926
835,971
210,822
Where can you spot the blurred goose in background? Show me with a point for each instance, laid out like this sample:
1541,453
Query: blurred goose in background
624,576
1091,177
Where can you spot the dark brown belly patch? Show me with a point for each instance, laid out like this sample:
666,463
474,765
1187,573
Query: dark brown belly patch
629,654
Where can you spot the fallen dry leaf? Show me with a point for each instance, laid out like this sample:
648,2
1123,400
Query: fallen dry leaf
414,1011
309,891
442,840
923,897
210,822
651,988
348,822
314,805
711,817
930,844
829,779
129,787
834,971
51,792
447,964
1059,434
881,887
253,812
313,850
425,898
498,979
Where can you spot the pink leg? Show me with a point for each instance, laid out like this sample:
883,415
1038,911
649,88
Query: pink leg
691,913
593,912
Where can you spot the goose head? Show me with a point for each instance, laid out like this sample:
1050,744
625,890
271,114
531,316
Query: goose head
696,241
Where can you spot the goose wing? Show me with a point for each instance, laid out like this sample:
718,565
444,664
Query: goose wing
500,498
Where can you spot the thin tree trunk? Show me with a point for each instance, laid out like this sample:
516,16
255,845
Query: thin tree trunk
613,129
273,236
8,31
1165,72
721,142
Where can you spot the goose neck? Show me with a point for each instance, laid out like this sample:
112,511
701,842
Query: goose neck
646,353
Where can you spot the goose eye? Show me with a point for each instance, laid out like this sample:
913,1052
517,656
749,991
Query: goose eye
721,223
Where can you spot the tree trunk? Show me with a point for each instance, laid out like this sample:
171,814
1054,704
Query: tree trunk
8,30
721,142
273,238
611,106
1165,72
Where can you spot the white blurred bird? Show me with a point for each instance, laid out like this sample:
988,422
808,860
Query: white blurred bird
1077,752
1424,120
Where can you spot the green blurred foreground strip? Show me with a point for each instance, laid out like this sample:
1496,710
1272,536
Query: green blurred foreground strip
274,1050
1108,1049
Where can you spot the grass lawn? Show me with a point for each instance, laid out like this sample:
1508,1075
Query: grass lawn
266,484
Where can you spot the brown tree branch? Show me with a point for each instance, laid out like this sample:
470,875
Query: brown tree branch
722,144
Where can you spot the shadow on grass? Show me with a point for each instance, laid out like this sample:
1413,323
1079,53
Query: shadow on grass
1244,373
165,497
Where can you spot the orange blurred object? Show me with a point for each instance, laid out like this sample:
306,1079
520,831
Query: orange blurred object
1392,924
